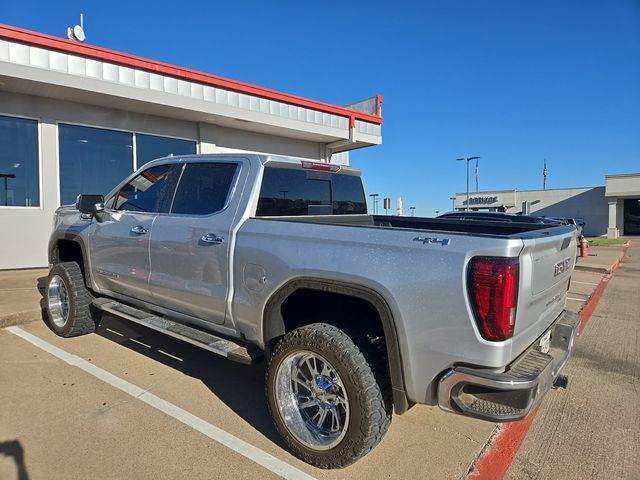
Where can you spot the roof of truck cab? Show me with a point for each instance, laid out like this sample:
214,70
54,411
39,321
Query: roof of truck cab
258,157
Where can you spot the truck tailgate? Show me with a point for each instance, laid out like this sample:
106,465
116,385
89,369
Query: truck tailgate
547,261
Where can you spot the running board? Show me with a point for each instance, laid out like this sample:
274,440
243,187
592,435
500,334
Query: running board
226,348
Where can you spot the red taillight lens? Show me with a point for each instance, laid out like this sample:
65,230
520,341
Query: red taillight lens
493,289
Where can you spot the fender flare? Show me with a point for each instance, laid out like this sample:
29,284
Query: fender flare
273,324
53,252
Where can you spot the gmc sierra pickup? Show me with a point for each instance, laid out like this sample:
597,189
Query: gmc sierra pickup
257,256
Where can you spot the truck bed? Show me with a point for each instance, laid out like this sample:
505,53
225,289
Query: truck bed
482,227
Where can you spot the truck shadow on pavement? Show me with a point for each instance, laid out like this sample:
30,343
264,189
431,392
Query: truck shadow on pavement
240,387
13,449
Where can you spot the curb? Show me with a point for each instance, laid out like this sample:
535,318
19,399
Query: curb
620,257
498,454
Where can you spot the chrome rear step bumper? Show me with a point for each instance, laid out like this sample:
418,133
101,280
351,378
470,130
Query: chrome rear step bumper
511,395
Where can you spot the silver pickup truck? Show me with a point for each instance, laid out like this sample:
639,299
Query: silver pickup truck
257,256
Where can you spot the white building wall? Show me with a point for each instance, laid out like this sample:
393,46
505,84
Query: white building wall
587,203
24,231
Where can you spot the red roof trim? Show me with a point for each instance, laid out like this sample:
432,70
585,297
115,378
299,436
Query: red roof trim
99,53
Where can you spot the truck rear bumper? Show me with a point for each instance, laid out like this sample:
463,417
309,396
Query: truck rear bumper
511,395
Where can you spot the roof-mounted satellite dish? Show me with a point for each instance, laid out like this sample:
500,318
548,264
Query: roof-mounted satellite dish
77,33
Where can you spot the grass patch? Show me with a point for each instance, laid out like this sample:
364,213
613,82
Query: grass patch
600,242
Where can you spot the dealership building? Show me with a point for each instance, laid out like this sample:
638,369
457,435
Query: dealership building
76,118
612,209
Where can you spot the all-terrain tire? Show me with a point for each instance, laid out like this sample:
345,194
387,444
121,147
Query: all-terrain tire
370,413
79,319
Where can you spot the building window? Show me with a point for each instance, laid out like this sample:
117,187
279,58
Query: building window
19,162
150,147
92,160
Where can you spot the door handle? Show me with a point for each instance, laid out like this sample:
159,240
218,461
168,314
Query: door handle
139,230
212,238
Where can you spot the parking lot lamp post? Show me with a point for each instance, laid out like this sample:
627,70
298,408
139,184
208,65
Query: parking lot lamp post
453,203
468,159
374,197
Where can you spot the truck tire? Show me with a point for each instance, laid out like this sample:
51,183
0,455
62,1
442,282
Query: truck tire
68,301
324,398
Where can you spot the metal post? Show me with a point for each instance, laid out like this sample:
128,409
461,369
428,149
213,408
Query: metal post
467,159
375,196
467,184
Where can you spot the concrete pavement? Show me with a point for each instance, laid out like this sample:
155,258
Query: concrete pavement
593,430
50,407
20,294
600,258
54,406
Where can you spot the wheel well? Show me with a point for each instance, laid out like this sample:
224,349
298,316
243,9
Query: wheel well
70,251
355,316
360,313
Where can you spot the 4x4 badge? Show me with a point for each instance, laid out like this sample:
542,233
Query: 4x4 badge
426,240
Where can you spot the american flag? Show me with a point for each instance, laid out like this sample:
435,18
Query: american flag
544,175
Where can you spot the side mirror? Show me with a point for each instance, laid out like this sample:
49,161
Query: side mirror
90,204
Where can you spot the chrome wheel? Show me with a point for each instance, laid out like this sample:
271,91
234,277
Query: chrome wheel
312,400
58,301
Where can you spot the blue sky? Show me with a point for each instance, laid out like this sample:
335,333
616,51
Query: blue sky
511,81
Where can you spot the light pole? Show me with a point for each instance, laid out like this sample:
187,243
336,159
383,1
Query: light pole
413,211
437,212
453,203
467,159
375,202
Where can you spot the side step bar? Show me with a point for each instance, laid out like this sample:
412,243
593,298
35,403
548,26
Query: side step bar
226,348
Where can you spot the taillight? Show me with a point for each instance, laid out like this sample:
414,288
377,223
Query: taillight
493,290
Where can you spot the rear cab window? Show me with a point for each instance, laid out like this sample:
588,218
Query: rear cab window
296,192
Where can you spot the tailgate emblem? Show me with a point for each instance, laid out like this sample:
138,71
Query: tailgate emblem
429,240
561,267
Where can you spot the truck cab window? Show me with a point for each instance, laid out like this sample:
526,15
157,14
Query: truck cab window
204,188
292,192
151,191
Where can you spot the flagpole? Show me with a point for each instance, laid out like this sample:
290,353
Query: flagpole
544,175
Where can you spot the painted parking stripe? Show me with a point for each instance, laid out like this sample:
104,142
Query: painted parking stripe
232,442
585,283
577,299
139,342
169,355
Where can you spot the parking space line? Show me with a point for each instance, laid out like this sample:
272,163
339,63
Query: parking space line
169,355
113,331
585,283
230,441
577,299
139,343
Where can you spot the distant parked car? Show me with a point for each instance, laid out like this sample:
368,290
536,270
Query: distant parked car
567,221
494,217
